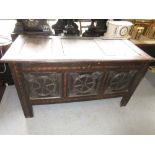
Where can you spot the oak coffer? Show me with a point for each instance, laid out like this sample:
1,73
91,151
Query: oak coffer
54,69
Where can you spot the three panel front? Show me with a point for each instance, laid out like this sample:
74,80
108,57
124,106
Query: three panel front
51,85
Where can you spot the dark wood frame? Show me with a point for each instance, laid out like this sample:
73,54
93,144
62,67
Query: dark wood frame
19,68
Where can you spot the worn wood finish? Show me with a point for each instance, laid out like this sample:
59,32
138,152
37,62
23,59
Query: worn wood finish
134,84
58,70
19,83
2,89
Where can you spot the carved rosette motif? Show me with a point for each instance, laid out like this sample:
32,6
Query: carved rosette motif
81,84
119,81
43,85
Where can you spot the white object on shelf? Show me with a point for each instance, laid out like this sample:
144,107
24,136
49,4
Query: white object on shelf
118,29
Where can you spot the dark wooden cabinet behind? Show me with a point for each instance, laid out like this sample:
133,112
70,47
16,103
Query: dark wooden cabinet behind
63,75
148,46
5,74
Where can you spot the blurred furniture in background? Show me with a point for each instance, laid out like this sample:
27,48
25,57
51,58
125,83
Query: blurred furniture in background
59,26
143,35
97,28
5,74
146,44
82,27
67,27
142,27
6,28
32,26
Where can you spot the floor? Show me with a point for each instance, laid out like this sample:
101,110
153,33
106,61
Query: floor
89,117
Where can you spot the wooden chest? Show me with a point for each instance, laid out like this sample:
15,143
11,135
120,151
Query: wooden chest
53,69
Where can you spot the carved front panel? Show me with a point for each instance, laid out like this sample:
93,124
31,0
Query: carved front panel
84,84
43,85
119,81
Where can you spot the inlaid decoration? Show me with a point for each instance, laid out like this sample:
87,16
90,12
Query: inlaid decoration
43,85
82,84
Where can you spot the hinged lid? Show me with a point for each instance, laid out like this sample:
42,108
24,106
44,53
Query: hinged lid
51,49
